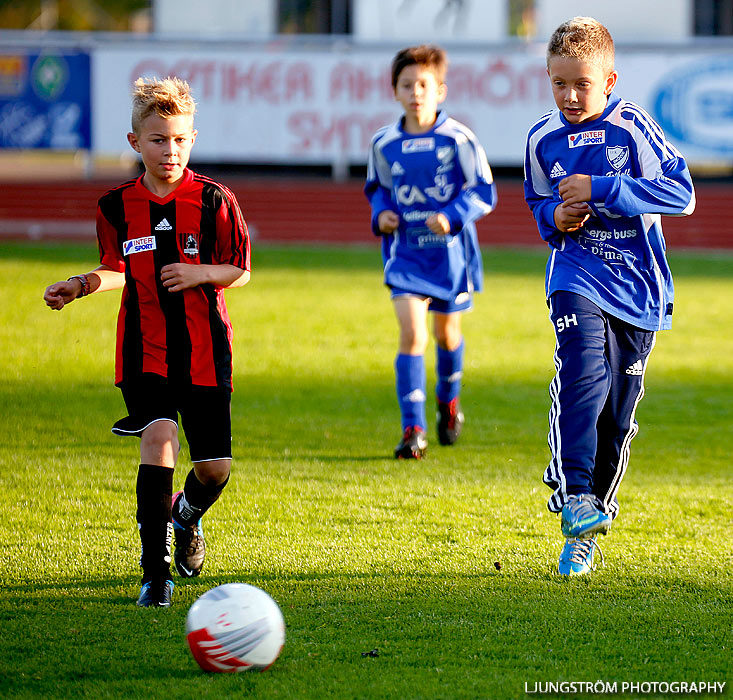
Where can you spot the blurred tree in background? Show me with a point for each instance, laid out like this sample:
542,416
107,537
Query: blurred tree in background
76,15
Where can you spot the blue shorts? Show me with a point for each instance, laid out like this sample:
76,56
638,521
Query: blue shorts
463,302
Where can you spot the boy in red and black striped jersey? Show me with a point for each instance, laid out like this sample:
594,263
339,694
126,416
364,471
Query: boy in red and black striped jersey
174,240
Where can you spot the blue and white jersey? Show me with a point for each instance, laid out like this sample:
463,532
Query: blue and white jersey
443,170
617,260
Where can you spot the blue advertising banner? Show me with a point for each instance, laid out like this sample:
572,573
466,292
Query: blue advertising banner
694,105
45,100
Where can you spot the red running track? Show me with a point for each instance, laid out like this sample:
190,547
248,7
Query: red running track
321,211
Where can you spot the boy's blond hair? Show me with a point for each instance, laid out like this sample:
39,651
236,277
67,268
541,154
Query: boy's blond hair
584,38
169,97
431,57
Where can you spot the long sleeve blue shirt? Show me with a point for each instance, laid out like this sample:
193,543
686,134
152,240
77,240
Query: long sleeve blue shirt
443,170
618,259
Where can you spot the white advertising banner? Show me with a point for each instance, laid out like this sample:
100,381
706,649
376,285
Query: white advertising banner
272,104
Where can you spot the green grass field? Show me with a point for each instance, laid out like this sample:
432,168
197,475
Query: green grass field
361,551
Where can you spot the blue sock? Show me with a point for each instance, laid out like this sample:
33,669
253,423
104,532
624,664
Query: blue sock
450,371
410,373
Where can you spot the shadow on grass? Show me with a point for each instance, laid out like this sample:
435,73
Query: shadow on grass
334,586
70,590
358,422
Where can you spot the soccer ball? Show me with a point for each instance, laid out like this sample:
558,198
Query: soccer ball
235,627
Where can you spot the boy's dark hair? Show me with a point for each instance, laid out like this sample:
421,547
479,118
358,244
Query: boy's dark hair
584,38
432,57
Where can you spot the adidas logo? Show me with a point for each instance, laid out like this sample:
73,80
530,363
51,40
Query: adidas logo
637,368
164,226
557,170
397,169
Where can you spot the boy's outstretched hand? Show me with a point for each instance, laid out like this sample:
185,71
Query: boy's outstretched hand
59,294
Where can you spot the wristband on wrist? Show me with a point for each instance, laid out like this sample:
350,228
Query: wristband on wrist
85,289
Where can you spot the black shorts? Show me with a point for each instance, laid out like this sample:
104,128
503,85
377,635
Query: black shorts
205,413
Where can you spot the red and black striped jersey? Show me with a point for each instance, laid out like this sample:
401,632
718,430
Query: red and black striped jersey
186,336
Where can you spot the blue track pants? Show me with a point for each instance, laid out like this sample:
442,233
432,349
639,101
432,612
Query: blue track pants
600,362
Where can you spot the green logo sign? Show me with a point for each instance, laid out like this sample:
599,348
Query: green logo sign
49,76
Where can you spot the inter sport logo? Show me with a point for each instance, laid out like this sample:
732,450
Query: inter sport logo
586,138
138,245
425,143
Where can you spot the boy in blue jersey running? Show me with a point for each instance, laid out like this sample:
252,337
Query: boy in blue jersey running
599,173
428,181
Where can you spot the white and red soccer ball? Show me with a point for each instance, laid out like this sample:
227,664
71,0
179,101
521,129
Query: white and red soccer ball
235,627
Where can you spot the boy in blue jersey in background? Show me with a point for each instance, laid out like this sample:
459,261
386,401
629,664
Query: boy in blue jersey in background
599,174
428,181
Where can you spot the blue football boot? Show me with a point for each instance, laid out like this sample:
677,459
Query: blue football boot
576,557
582,519
156,594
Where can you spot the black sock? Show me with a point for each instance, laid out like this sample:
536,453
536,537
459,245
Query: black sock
195,500
154,493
